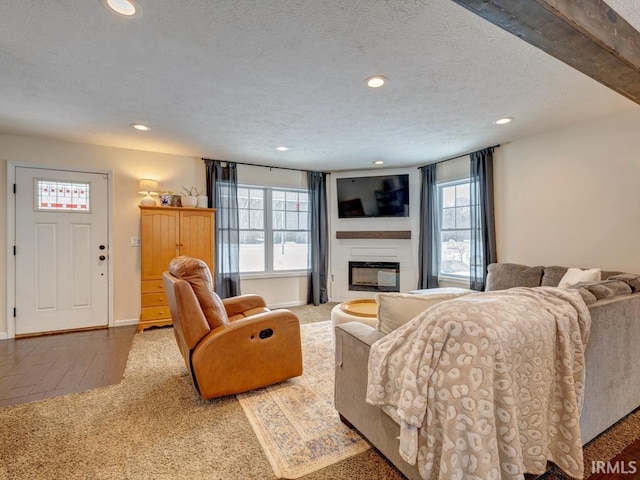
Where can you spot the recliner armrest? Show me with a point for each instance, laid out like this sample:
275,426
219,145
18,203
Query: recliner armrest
240,304
249,353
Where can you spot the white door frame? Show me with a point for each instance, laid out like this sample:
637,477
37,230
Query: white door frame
11,235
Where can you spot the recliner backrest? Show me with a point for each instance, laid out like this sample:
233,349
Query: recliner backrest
197,274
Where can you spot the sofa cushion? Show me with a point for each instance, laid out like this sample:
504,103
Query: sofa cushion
552,276
630,279
587,296
396,309
592,291
576,275
607,274
196,272
508,275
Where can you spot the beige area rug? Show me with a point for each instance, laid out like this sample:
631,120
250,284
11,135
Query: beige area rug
299,429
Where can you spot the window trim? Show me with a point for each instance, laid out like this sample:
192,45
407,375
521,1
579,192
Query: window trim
268,230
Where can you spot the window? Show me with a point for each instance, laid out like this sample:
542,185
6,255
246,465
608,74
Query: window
455,228
54,195
274,230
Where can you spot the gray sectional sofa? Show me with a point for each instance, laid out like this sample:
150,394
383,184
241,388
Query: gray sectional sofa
612,387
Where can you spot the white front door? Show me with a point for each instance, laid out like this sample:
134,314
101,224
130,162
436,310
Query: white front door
61,250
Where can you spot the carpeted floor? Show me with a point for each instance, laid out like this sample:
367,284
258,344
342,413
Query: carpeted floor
153,425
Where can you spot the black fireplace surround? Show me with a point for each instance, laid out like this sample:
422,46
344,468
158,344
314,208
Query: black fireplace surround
374,276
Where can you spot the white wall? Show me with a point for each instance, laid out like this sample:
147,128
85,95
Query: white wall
382,250
570,197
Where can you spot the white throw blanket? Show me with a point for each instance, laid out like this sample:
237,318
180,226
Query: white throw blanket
488,385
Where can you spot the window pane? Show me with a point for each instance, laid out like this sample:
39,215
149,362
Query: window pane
455,248
462,194
292,201
304,221
278,219
243,198
448,218
449,196
289,251
256,219
67,196
463,217
292,221
277,200
303,201
256,199
252,251
243,216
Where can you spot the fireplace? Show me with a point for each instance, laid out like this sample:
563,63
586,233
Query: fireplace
374,276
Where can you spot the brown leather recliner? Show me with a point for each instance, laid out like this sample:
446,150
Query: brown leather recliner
231,345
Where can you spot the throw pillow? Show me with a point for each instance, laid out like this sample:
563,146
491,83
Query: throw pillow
396,309
552,276
196,272
501,276
576,275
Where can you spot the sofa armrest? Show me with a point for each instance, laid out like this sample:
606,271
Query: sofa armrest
249,353
360,333
240,304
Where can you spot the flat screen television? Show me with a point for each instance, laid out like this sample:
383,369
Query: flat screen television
379,196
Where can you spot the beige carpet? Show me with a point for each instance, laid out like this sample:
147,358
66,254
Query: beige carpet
295,421
153,425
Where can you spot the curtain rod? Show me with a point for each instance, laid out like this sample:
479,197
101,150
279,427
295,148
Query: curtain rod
456,157
269,166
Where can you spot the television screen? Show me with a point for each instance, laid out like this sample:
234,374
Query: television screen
380,196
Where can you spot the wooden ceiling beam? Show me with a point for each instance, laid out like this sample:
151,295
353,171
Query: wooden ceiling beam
585,34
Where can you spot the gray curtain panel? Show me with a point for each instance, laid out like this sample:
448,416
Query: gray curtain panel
483,224
319,238
222,189
428,251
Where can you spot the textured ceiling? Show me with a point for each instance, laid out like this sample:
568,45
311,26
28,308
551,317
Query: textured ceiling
232,79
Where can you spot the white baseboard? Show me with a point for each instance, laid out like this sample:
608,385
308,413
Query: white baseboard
126,322
4,336
286,305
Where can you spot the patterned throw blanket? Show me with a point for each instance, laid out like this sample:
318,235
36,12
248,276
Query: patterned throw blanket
487,386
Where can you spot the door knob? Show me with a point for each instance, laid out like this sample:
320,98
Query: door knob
102,257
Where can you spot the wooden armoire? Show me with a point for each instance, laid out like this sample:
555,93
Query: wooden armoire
165,233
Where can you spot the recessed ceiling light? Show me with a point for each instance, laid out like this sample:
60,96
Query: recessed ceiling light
128,8
282,149
379,162
376,81
503,121
140,126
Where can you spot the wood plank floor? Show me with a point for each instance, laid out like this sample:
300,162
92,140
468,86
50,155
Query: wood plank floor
52,365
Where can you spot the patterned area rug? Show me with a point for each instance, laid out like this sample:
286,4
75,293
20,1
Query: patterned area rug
295,421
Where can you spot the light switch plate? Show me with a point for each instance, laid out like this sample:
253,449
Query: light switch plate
135,241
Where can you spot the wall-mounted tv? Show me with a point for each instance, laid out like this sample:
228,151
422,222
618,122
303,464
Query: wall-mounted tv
379,196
